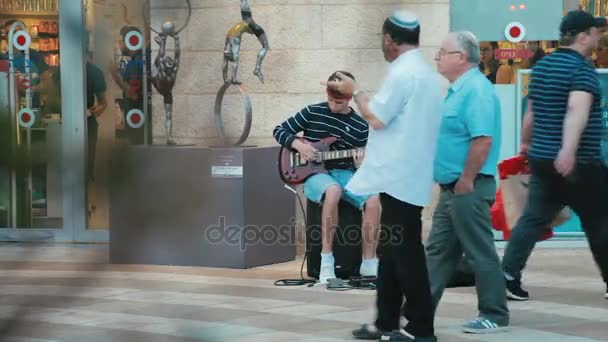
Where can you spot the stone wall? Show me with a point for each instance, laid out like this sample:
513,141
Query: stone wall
309,39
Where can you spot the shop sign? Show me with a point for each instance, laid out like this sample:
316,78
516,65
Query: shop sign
513,53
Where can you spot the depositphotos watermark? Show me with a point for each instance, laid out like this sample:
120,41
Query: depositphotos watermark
288,235
250,235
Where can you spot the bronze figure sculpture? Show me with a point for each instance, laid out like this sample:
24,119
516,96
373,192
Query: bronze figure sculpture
165,68
233,44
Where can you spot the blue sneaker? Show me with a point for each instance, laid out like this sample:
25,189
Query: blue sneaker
483,326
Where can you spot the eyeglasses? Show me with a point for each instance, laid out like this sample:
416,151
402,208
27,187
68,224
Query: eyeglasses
442,53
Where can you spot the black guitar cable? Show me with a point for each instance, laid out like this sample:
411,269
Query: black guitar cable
302,280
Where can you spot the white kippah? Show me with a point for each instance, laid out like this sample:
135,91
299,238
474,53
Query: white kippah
404,19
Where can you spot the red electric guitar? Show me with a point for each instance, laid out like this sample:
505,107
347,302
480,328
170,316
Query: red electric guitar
294,169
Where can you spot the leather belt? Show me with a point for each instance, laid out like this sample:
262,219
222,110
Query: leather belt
450,186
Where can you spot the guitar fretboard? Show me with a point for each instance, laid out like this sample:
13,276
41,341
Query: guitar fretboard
338,154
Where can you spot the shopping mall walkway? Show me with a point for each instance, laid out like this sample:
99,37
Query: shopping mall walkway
58,293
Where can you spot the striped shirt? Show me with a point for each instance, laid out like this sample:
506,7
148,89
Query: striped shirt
552,80
317,122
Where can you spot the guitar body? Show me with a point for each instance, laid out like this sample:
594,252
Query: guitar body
294,170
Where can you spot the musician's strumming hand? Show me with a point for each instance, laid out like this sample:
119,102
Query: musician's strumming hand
306,150
358,157
345,85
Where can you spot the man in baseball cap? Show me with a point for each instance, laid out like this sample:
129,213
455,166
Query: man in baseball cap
562,139
576,22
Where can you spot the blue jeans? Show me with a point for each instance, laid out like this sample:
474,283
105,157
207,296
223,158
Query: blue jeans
315,186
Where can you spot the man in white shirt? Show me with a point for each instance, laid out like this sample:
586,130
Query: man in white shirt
404,118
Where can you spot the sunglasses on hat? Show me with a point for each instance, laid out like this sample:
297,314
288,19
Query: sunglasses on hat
334,94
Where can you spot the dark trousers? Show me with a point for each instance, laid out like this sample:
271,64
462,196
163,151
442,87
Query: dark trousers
92,128
584,192
402,270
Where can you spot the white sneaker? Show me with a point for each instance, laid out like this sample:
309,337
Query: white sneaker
327,272
369,268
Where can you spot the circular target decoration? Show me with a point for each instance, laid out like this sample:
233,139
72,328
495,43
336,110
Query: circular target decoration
134,40
26,117
515,32
135,118
22,40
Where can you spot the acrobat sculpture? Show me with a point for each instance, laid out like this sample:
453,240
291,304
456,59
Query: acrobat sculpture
164,75
164,70
231,55
233,44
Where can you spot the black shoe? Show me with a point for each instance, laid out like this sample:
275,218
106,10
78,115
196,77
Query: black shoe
606,294
367,332
398,335
515,292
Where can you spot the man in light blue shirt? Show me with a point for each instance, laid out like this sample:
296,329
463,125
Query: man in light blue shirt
465,166
467,116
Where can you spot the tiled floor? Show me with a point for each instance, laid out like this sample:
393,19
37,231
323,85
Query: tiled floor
70,293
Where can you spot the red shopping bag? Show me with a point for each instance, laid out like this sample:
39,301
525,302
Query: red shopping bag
497,214
511,198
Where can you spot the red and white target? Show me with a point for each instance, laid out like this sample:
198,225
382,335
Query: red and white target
515,32
134,40
135,118
22,40
24,83
26,118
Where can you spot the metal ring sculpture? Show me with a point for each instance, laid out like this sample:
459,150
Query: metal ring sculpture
219,125
146,10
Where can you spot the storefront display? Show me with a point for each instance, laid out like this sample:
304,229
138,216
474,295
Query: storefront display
32,195
597,7
29,6
43,32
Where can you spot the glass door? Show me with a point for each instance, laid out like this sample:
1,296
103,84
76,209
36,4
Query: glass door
118,93
73,86
32,159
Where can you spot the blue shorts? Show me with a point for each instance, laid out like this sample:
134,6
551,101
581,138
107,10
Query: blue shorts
315,186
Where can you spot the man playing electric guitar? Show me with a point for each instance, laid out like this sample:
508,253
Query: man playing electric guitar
318,121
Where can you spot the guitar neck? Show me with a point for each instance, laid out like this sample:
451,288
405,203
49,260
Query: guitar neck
330,155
